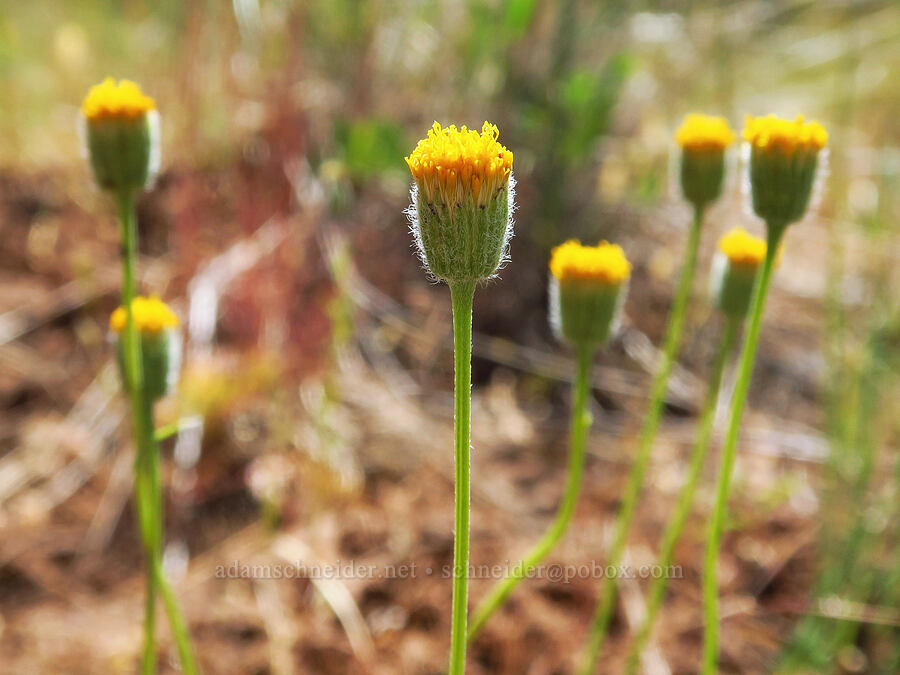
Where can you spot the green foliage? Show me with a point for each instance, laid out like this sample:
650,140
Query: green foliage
519,14
587,98
859,556
370,147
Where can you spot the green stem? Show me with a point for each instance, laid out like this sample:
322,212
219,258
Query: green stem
674,330
180,633
148,472
462,295
143,500
147,491
134,384
176,621
683,507
166,431
742,386
581,421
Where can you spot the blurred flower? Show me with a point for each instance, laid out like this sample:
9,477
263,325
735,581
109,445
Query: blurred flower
587,290
783,160
122,135
160,343
775,135
462,201
734,271
742,248
151,315
704,133
703,140
604,263
109,100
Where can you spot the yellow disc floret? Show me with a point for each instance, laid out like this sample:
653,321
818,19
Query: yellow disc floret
704,132
742,248
456,165
109,100
604,263
772,133
151,315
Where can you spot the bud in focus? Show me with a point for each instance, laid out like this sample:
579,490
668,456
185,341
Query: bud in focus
155,324
784,156
122,135
734,271
462,201
588,285
703,139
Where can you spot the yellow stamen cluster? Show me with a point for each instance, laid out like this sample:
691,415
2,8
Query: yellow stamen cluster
704,132
151,315
109,100
457,165
604,263
742,248
772,133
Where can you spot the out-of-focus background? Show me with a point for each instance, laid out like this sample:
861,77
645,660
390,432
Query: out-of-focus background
315,403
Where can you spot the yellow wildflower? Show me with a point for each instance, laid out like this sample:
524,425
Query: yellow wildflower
455,165
771,133
151,315
704,132
110,100
604,263
742,248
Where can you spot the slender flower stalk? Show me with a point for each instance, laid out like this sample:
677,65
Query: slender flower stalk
587,290
460,217
784,156
703,140
132,369
734,272
121,133
462,295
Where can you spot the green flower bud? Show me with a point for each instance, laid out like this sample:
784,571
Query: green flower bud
703,140
121,129
588,285
462,201
734,271
784,157
156,328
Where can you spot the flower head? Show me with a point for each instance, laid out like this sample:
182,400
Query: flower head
151,316
462,201
699,132
604,263
453,165
784,158
703,140
587,289
160,344
773,134
122,135
742,248
734,270
110,100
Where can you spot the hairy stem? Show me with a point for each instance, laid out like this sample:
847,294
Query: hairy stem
683,507
581,421
134,385
742,386
176,622
147,490
462,295
674,330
